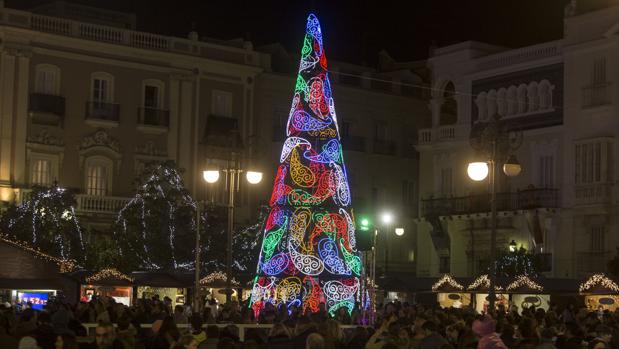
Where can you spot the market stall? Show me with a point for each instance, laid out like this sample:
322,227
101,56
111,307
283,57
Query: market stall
600,291
214,286
480,287
450,293
526,293
108,282
163,284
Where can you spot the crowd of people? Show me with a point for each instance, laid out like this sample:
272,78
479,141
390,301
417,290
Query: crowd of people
396,326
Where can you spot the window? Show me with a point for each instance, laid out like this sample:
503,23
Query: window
411,255
444,265
152,94
102,87
446,181
380,130
41,172
96,182
591,162
599,71
222,104
546,172
47,79
408,193
598,234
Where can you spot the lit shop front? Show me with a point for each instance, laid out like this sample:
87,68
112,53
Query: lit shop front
526,293
164,284
213,286
480,288
600,292
450,293
108,283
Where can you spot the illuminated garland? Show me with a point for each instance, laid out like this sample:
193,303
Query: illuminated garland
64,265
446,279
217,276
308,253
524,280
483,282
108,273
598,279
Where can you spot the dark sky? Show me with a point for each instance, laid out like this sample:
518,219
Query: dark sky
354,30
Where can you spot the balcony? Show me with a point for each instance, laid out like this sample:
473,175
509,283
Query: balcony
592,194
445,133
223,132
46,109
353,143
384,147
100,204
102,114
153,120
596,95
509,201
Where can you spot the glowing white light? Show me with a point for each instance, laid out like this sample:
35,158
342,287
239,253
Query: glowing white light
254,177
210,176
399,231
387,218
477,171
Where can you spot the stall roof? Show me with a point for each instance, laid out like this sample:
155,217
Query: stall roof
525,285
598,284
447,284
217,279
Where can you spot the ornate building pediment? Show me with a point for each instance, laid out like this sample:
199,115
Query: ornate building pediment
44,137
150,149
100,139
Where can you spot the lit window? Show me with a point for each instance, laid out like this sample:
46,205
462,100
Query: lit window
96,182
41,172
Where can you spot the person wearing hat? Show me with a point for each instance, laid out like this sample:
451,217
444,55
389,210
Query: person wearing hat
484,328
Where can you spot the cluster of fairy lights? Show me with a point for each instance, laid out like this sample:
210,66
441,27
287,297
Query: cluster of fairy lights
65,265
217,276
524,281
483,281
149,190
106,274
308,253
598,279
446,280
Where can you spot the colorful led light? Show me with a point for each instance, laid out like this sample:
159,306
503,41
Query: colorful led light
309,251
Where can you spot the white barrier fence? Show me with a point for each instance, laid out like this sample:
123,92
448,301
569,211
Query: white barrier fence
90,327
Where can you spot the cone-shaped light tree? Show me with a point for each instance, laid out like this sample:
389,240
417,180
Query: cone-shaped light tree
308,253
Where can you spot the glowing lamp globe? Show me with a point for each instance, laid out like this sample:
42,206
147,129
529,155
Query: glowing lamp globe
387,218
399,231
253,177
512,167
210,176
477,171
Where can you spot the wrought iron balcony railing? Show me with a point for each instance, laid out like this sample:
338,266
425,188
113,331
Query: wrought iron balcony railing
46,103
509,201
103,111
154,117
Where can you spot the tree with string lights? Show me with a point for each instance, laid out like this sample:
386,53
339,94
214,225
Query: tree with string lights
47,221
156,228
519,262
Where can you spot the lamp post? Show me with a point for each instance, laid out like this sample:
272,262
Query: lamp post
232,173
386,218
495,140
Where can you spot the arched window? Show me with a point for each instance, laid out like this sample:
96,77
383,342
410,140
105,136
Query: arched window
449,108
533,97
102,87
152,94
47,79
482,107
512,100
501,102
522,99
98,175
491,103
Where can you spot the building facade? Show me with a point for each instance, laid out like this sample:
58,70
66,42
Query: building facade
562,206
87,104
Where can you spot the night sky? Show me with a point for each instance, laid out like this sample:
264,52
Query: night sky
354,30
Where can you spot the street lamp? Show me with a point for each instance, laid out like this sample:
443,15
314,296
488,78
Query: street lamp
386,218
496,140
399,231
232,174
512,246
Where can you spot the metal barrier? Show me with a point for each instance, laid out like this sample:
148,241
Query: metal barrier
90,328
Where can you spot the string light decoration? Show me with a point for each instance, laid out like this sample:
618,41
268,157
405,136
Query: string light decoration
308,253
107,273
598,280
64,265
524,281
217,276
446,280
483,281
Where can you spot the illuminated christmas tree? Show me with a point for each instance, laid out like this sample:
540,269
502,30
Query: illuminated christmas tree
308,253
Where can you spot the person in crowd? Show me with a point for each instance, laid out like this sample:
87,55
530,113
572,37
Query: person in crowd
212,338
105,337
179,315
166,335
431,339
197,331
66,341
484,328
186,341
28,342
602,339
315,341
547,338
279,337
